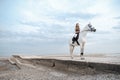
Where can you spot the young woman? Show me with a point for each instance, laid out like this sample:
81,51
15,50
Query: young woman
77,31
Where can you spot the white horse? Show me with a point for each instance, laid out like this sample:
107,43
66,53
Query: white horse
82,39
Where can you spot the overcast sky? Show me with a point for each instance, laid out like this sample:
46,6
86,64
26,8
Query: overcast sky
44,27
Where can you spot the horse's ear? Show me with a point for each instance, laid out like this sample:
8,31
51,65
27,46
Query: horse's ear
89,25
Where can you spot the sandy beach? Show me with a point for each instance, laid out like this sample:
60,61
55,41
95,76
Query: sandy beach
32,70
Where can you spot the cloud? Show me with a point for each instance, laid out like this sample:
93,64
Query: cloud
118,17
48,11
97,7
116,28
39,33
69,16
50,23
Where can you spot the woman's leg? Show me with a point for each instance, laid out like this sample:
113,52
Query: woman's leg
77,37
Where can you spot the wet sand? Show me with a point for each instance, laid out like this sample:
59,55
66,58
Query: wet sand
27,70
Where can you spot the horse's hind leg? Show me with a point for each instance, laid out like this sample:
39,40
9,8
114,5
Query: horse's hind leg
82,51
71,51
82,48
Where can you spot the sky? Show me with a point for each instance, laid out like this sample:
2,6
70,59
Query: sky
44,27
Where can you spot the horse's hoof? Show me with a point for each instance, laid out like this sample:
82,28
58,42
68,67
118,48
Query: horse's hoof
82,58
71,57
81,55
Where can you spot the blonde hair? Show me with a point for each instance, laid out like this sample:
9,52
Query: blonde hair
77,28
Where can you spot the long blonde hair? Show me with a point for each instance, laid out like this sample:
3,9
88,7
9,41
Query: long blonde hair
77,28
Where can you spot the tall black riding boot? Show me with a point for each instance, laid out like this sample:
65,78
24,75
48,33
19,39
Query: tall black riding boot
77,37
73,40
77,42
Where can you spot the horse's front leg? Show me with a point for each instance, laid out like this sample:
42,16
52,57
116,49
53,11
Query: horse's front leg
82,48
71,51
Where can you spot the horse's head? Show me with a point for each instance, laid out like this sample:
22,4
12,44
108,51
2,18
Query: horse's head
90,28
